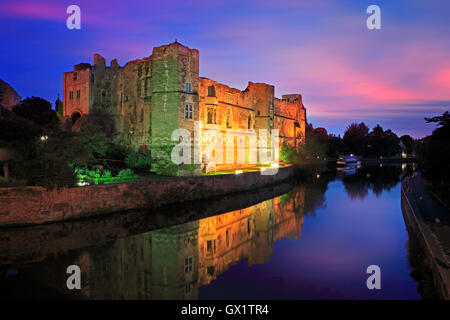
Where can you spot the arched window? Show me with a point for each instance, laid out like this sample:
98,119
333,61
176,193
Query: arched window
211,91
210,119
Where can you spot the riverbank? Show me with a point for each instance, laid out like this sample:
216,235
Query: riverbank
36,205
34,243
420,211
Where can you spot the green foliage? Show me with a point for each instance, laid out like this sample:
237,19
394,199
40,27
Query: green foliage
433,153
46,164
92,144
37,110
189,167
138,160
358,140
126,173
98,174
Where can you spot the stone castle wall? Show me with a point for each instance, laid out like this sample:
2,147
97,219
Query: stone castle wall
142,103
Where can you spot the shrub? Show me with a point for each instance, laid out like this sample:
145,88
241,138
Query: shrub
139,160
126,173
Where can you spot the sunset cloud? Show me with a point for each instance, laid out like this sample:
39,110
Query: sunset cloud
321,49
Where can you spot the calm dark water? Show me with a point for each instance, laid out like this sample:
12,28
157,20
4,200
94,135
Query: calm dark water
313,240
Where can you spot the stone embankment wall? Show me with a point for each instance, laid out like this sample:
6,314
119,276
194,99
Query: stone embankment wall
36,205
433,254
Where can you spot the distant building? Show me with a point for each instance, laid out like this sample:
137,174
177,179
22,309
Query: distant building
143,102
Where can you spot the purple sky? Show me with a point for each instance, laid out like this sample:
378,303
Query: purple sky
321,49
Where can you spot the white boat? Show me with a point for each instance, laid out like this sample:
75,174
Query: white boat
348,161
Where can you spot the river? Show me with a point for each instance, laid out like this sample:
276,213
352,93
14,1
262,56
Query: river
311,239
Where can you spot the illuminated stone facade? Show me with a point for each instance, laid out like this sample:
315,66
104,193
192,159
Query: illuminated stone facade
143,102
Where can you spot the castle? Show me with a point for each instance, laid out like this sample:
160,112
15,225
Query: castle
143,102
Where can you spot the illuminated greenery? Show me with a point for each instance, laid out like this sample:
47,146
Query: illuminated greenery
99,175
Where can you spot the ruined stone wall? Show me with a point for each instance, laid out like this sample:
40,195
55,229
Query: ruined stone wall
290,119
223,109
174,105
77,80
141,104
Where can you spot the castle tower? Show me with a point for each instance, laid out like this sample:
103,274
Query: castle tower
175,101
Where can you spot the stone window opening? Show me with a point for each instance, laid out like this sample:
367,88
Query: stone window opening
227,235
188,264
228,118
75,76
188,287
249,121
188,87
210,246
212,116
188,111
71,95
78,94
211,91
210,271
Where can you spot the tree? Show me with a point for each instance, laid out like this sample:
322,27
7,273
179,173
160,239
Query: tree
354,138
36,109
408,142
433,153
356,131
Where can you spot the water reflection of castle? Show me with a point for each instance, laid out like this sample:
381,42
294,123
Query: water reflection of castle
172,263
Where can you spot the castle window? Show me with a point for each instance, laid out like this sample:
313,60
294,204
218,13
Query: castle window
75,76
211,91
188,111
228,238
210,246
211,116
188,264
228,118
249,121
78,94
188,87
71,95
188,287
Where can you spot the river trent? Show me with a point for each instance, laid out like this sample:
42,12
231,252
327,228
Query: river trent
306,240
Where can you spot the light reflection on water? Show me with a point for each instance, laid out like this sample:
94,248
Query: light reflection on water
314,242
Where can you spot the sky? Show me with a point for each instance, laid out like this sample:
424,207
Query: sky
321,49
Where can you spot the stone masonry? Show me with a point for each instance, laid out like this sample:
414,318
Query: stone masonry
143,102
